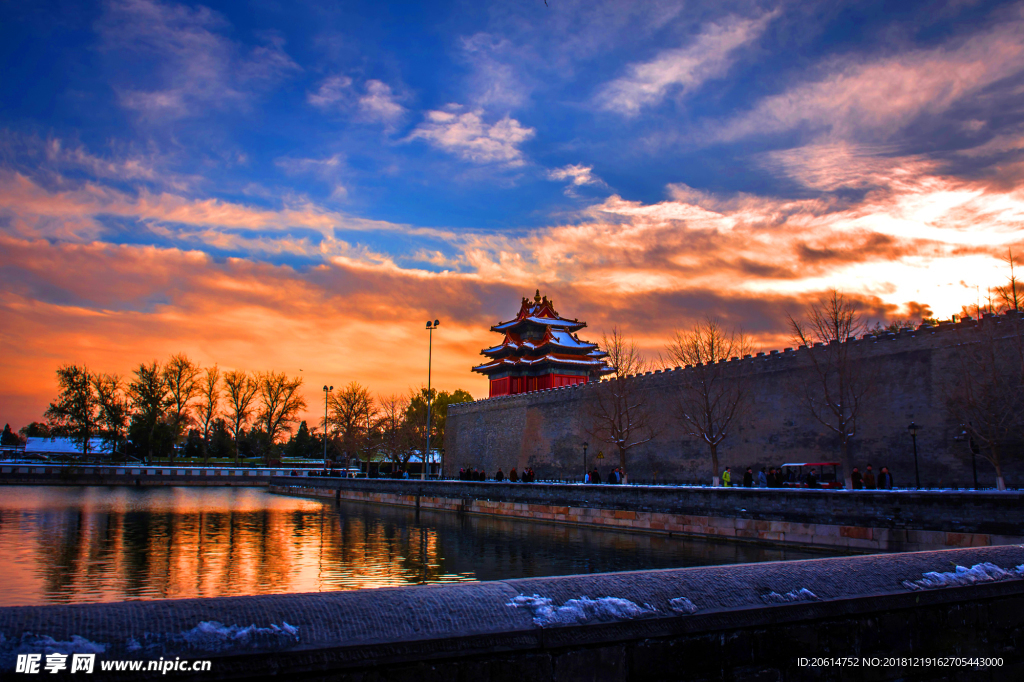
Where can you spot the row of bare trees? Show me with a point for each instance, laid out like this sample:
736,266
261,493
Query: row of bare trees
986,394
159,405
163,408
620,411
391,428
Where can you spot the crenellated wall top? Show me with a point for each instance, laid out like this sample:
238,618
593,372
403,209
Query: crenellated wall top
773,359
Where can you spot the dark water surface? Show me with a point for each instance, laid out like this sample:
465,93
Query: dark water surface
98,544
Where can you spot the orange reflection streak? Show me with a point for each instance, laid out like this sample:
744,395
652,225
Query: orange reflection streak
98,545
66,544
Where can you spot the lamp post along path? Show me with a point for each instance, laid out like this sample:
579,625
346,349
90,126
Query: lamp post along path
913,437
327,393
430,351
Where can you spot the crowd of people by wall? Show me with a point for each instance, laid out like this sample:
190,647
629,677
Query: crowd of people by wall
594,476
474,474
770,477
778,478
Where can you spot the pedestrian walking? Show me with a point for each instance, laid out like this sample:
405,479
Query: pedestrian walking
513,476
812,479
762,479
858,480
748,478
885,479
869,478
727,477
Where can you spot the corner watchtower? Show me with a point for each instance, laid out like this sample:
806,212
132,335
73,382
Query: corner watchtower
541,349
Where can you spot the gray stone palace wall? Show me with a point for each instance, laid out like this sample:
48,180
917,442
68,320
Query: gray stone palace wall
910,372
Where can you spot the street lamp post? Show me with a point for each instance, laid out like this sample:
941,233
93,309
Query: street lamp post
964,436
913,436
327,393
430,351
585,462
974,459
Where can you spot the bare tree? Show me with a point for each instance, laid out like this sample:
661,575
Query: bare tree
280,403
350,410
114,411
842,383
618,410
710,401
396,436
241,391
181,376
986,394
1013,293
209,391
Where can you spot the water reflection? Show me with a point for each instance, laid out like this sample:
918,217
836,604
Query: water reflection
73,544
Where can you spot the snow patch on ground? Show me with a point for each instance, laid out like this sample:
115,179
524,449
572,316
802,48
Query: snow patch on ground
682,605
582,610
213,636
803,594
979,573
210,635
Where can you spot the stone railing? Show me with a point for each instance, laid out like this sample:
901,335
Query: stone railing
892,613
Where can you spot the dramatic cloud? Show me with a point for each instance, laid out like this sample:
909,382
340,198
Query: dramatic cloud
114,307
376,103
468,136
682,70
195,65
878,97
577,174
380,103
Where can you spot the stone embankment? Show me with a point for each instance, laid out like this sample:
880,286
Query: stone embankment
879,617
863,520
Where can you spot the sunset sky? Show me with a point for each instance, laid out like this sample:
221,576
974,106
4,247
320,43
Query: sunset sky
300,186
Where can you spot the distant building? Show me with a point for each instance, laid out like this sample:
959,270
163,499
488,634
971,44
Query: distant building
61,446
541,349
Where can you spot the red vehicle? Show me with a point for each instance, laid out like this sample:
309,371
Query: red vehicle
794,474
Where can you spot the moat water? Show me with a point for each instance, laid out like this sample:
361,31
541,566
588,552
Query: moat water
99,544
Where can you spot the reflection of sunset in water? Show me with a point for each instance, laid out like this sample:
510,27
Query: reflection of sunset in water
60,545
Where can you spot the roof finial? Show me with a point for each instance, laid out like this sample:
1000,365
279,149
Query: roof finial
536,297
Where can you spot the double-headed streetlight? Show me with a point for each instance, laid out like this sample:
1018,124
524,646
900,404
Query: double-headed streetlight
430,350
913,436
327,394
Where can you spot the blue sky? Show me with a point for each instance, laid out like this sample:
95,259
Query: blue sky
647,163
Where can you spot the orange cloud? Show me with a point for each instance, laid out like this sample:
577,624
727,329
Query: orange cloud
904,247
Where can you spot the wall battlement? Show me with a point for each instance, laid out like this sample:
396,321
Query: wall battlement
920,334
